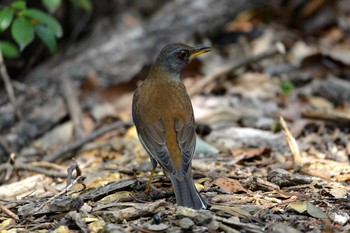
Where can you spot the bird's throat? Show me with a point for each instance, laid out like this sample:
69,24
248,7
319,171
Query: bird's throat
161,73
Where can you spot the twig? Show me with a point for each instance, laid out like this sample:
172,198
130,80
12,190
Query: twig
73,105
29,167
231,68
227,228
65,153
9,212
248,226
73,167
48,165
328,115
8,87
293,145
79,179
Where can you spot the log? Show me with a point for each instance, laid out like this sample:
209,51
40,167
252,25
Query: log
124,55
117,60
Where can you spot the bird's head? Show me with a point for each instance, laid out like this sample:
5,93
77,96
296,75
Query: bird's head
174,57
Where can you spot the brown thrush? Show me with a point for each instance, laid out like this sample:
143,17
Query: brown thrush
163,116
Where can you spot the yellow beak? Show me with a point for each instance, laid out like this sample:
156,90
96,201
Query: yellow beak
199,50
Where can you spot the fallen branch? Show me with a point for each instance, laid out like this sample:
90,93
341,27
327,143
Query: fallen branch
9,212
8,86
67,152
73,105
327,115
293,145
29,167
78,180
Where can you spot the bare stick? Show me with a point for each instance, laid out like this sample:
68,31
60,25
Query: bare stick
79,180
9,212
29,167
8,86
328,115
73,105
293,145
65,153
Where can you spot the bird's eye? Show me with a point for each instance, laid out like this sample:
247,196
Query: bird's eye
183,54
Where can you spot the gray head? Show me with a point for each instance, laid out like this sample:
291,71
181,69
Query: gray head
174,57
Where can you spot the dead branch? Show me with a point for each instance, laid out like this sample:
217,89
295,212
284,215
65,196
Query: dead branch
77,180
67,152
327,115
117,58
293,145
73,105
9,212
29,167
125,54
8,87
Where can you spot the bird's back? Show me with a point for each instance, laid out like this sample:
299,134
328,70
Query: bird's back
165,100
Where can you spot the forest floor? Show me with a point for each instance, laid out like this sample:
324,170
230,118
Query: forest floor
272,108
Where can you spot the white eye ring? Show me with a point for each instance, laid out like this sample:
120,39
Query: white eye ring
183,54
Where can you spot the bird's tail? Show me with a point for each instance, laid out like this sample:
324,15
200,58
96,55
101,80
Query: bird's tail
186,193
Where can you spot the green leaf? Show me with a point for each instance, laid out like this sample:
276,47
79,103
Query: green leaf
287,87
48,37
6,16
19,5
85,4
45,19
8,49
51,5
23,32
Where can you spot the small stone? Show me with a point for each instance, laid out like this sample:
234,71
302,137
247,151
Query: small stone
198,216
339,218
186,223
282,228
156,219
158,227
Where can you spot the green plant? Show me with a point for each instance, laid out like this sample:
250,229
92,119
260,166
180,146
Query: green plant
26,23
286,86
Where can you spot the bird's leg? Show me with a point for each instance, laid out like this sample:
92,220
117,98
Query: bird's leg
148,187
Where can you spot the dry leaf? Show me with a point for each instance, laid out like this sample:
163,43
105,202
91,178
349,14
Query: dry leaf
312,210
229,185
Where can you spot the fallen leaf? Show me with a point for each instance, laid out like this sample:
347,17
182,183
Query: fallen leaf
61,229
115,197
243,154
97,226
311,209
229,185
298,206
315,211
337,190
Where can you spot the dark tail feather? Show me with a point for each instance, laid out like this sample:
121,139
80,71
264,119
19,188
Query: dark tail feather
186,193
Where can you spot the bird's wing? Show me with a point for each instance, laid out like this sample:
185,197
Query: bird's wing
186,138
152,137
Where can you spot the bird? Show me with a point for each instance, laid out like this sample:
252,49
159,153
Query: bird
163,116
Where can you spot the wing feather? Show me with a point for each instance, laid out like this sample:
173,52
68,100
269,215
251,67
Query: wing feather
152,137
